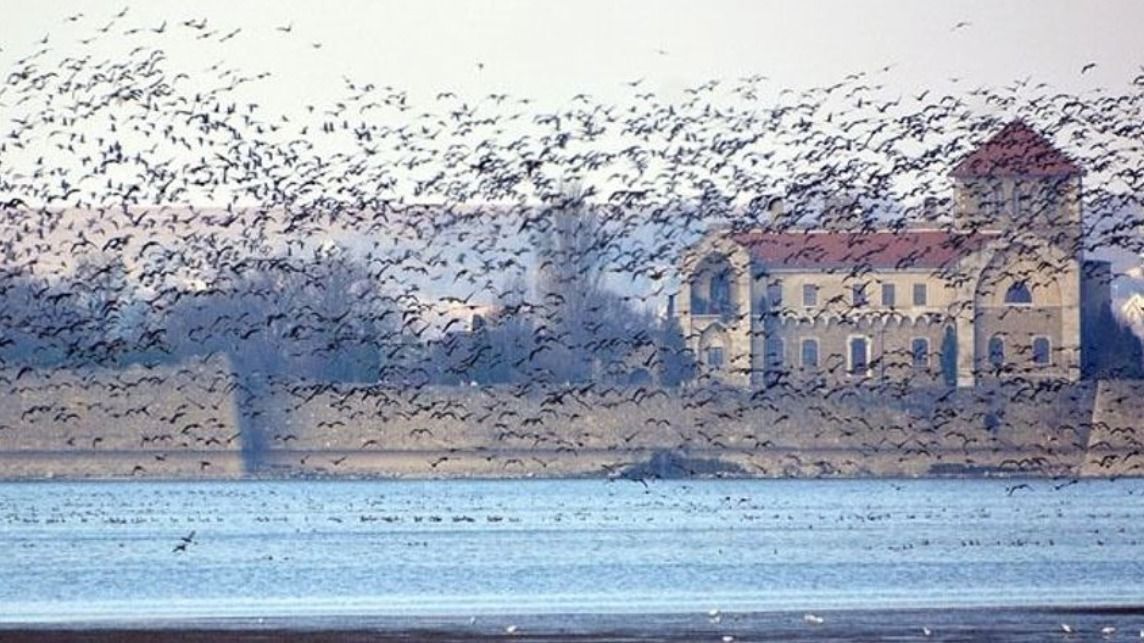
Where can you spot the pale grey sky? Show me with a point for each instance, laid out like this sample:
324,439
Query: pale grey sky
553,50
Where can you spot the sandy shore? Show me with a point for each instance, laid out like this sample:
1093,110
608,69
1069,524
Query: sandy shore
962,624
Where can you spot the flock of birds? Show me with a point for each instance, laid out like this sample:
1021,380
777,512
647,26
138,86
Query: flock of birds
354,241
343,231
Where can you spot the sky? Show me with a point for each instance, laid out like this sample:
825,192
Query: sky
552,50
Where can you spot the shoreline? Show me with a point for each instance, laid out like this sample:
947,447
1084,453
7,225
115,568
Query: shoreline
1030,476
645,463
959,623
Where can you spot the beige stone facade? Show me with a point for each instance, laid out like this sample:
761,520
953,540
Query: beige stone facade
1000,292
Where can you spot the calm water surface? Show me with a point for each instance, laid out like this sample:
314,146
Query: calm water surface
82,552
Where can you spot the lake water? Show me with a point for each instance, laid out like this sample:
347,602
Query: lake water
106,551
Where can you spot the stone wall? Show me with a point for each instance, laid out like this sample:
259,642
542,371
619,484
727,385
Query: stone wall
163,421
851,431
1116,439
197,420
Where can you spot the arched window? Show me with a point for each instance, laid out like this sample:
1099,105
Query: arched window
997,351
949,356
859,355
1042,351
810,353
1018,293
720,292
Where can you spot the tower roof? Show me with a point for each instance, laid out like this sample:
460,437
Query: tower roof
1017,150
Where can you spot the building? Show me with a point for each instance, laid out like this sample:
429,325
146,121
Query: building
1001,291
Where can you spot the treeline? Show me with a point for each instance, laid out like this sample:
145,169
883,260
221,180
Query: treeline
329,318
1111,349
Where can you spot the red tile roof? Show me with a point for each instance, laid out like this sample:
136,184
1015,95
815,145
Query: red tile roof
888,250
1017,150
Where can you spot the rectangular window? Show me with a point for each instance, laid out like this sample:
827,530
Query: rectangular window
810,353
888,295
715,357
920,295
858,295
997,352
1042,351
920,351
775,295
859,355
774,352
809,295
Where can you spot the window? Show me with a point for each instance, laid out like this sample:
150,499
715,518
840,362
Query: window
774,352
997,200
1053,194
888,295
996,351
698,303
810,353
1018,293
919,349
1022,198
809,295
715,357
720,293
859,355
775,295
920,294
1042,351
858,295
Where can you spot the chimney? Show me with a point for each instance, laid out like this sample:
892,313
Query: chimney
775,210
930,209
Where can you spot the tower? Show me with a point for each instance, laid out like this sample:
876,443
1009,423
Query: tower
1025,319
1018,181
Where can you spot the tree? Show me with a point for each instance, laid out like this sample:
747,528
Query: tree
1113,349
322,317
36,322
677,364
583,329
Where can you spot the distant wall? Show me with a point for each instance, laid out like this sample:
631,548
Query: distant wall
770,433
163,421
197,419
1115,443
